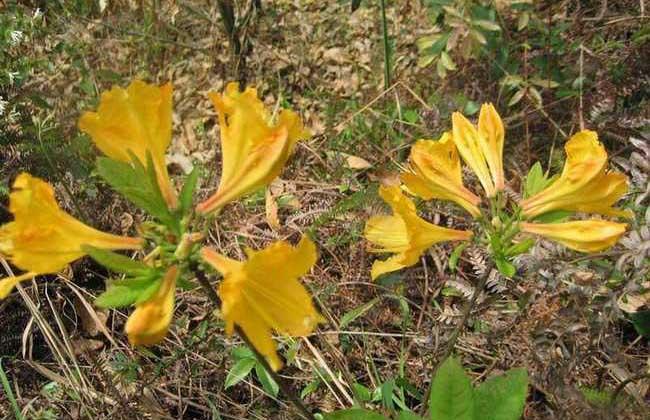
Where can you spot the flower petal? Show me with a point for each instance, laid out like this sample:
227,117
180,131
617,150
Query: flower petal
263,294
584,184
492,135
436,173
254,150
468,141
7,284
582,235
43,238
138,120
149,323
404,233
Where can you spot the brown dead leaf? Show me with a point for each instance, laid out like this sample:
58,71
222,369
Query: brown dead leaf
272,211
86,345
356,162
89,322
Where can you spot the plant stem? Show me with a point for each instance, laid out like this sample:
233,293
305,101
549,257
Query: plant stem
451,344
286,388
384,27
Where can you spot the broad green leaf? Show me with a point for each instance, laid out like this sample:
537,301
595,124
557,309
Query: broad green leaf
116,262
447,61
357,312
354,414
505,268
520,247
408,415
267,381
641,322
361,392
502,397
148,292
451,395
136,183
387,393
238,372
242,352
126,292
535,180
117,297
555,216
354,5
487,25
187,193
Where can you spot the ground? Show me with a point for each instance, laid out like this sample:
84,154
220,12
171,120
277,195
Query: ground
558,316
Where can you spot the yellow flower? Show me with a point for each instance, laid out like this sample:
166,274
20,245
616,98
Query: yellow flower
43,238
253,149
138,120
404,233
150,321
436,173
581,235
482,147
584,185
263,294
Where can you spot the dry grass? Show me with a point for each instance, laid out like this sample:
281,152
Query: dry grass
326,63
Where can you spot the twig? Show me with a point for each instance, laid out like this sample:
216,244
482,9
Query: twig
451,344
283,385
620,387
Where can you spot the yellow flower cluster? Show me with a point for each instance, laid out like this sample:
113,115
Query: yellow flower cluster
260,295
585,185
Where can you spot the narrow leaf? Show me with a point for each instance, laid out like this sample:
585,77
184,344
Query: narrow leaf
267,381
116,262
357,312
187,192
238,372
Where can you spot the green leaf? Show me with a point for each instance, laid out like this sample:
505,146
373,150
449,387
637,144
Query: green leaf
502,397
354,414
311,387
361,392
357,312
116,262
554,216
267,381
596,397
354,5
455,256
451,395
138,185
242,352
117,297
238,372
148,292
408,415
641,322
535,180
520,248
487,25
187,193
387,393
505,268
